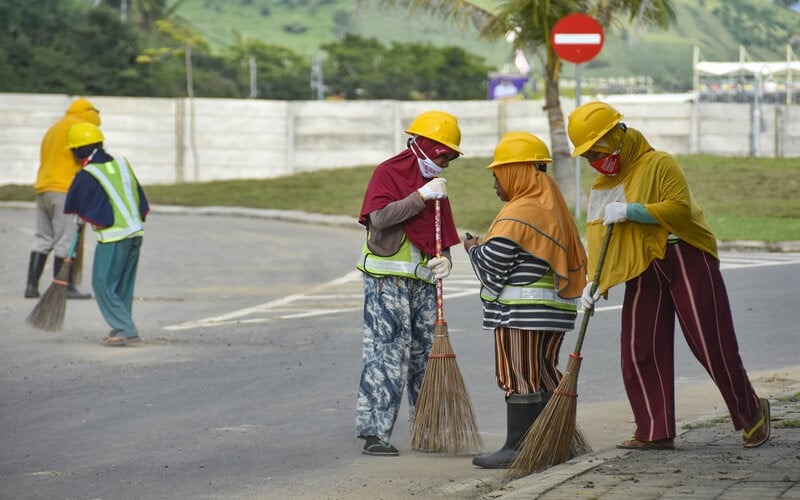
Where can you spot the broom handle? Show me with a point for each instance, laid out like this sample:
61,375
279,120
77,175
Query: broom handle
595,283
437,225
74,245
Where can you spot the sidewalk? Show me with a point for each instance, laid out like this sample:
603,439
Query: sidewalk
709,462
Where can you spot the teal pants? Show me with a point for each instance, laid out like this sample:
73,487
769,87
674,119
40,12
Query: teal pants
113,278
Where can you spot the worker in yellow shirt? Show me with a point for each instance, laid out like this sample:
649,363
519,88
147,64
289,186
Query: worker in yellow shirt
57,168
665,255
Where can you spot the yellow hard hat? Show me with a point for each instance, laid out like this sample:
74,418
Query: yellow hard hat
588,123
520,147
83,134
437,126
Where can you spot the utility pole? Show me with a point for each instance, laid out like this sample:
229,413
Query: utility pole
189,73
317,83
253,78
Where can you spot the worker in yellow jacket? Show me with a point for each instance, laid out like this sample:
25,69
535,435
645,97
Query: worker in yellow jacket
665,254
57,168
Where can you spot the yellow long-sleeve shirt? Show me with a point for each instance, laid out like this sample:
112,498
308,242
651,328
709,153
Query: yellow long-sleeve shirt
57,165
656,180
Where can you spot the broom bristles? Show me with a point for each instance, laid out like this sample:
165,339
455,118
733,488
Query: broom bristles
48,314
444,420
580,443
554,433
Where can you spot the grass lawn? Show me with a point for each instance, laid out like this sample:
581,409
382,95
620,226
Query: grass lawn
743,198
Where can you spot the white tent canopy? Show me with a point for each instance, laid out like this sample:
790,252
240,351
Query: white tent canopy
745,68
732,68
759,70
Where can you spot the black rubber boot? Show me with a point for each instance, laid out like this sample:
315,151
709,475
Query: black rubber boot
35,267
72,292
522,411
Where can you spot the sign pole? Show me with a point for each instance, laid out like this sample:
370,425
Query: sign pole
577,38
577,159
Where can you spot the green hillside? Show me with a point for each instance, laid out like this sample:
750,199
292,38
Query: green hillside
717,27
305,25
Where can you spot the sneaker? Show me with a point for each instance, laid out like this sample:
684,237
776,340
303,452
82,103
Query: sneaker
378,447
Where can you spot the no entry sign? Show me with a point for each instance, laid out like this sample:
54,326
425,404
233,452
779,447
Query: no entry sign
577,38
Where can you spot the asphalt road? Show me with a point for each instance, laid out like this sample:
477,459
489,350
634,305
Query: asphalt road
245,385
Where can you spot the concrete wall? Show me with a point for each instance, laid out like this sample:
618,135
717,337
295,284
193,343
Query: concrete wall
183,140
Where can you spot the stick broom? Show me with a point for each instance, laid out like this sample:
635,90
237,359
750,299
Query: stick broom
548,441
444,420
48,314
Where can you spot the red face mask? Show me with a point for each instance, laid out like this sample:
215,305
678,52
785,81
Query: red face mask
608,165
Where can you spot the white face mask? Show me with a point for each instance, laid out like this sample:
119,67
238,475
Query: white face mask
427,167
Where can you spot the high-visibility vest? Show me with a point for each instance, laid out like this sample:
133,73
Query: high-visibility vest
541,292
119,183
408,261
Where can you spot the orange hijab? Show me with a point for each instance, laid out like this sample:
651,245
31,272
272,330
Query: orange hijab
537,219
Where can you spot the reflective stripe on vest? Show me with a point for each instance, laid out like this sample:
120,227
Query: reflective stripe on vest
408,261
541,292
123,193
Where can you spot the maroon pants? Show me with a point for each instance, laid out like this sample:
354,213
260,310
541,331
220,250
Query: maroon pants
687,282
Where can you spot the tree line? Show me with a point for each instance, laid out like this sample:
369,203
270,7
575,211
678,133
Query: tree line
84,48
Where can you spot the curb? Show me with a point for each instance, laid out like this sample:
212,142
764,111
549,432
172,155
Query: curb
255,213
759,246
546,480
534,485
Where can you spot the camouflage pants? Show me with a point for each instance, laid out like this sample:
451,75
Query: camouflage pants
399,316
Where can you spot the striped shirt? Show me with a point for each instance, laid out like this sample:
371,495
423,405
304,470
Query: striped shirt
499,262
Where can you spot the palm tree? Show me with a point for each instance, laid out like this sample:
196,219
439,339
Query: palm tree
528,24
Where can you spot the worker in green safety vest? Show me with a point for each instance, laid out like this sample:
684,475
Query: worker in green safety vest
532,269
107,195
400,263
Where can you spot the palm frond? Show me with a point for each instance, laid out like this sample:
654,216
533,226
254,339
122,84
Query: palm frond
459,12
